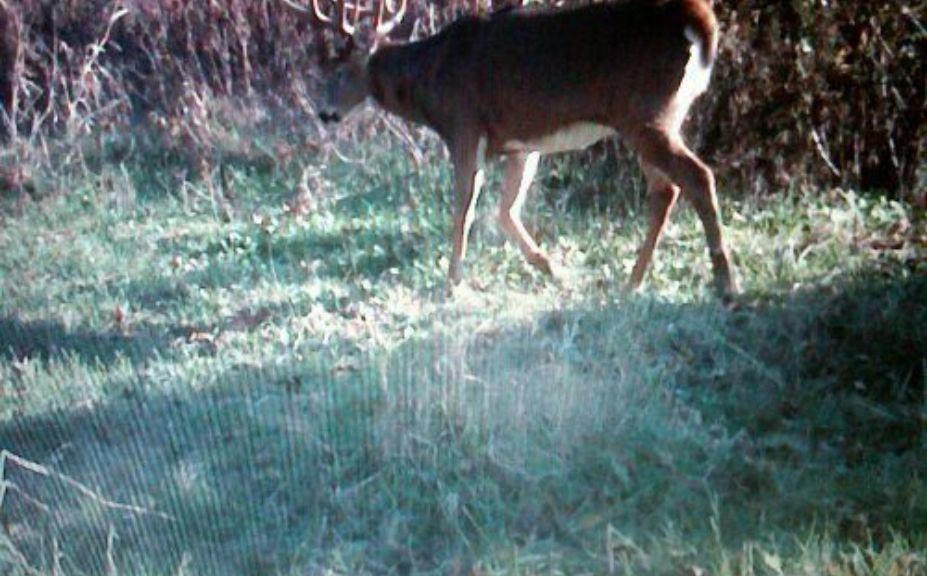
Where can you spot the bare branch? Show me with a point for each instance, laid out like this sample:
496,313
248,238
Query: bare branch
34,467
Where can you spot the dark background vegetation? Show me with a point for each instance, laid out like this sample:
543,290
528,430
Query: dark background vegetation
805,93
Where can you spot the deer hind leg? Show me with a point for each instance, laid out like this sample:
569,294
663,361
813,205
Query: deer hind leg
519,172
662,195
668,154
468,181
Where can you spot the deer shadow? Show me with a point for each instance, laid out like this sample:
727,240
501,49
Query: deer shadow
47,339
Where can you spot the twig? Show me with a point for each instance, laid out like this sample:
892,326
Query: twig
19,557
402,133
906,11
111,569
822,151
333,148
6,455
7,485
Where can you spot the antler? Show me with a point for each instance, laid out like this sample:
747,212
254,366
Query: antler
349,27
384,27
346,23
347,14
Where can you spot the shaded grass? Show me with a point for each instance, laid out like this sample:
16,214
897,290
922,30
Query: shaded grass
298,394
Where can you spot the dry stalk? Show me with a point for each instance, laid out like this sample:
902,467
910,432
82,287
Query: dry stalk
36,468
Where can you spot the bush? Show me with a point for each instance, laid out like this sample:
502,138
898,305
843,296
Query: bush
804,94
820,93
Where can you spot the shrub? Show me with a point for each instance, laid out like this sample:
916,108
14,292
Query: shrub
805,93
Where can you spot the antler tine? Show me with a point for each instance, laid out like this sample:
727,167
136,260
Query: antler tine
318,12
348,23
349,28
384,28
303,11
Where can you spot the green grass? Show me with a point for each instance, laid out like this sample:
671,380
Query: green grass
298,395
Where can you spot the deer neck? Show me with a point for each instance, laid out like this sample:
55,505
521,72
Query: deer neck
396,78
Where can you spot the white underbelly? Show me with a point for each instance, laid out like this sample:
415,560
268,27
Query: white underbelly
572,137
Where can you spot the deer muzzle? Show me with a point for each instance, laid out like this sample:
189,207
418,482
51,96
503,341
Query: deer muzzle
329,117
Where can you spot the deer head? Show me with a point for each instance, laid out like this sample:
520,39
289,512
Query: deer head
347,84
346,88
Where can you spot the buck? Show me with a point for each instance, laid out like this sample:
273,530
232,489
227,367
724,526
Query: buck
525,82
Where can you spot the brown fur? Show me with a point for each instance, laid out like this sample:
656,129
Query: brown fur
510,83
597,68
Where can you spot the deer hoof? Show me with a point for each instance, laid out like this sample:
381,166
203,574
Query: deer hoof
542,263
727,288
454,275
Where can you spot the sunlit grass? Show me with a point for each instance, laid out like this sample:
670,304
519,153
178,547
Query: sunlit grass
297,391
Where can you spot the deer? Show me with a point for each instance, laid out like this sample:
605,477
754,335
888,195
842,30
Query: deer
525,82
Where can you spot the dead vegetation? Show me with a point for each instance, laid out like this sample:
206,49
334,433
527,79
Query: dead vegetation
804,94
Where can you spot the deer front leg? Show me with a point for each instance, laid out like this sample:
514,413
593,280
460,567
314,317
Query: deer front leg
519,172
468,180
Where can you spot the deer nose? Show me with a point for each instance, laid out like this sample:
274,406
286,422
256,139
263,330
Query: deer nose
327,116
